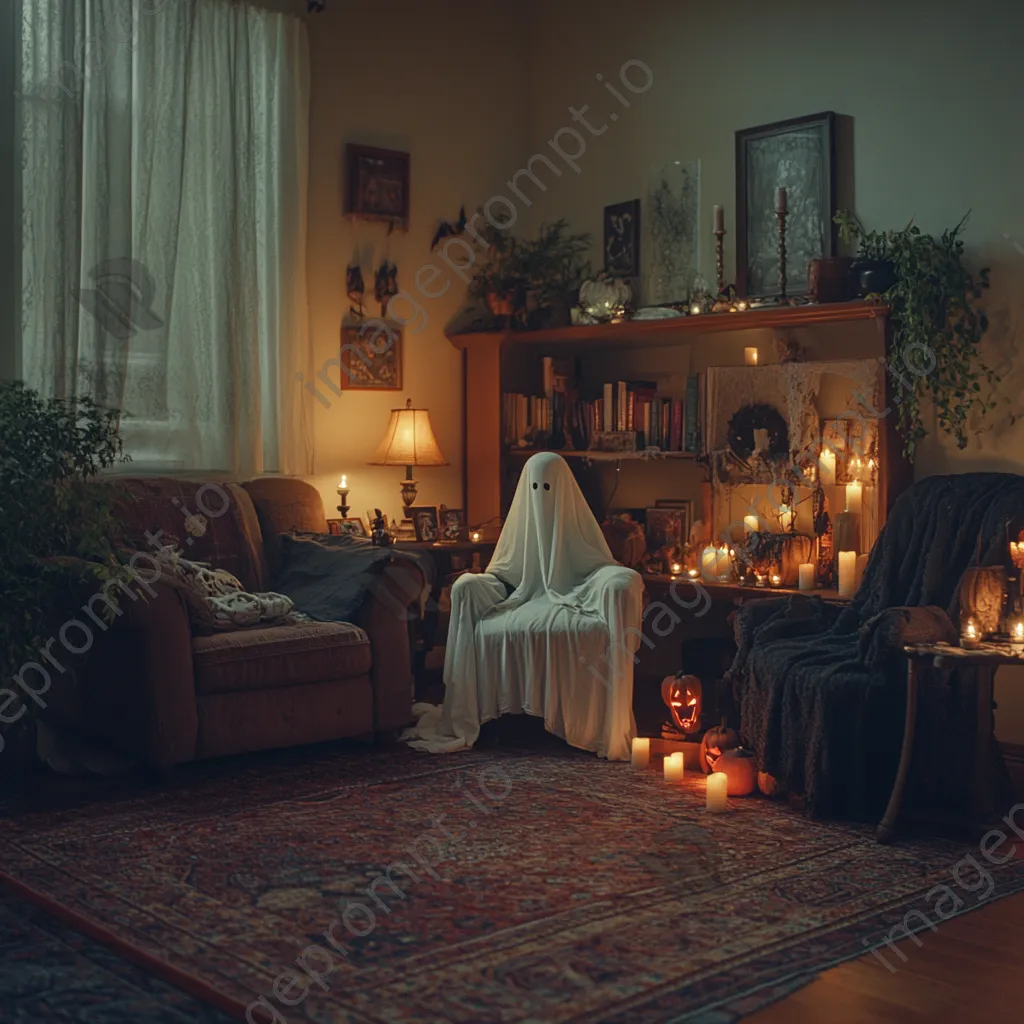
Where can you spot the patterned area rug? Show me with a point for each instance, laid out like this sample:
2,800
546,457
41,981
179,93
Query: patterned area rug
394,887
49,972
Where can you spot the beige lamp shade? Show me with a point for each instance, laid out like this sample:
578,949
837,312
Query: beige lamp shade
409,440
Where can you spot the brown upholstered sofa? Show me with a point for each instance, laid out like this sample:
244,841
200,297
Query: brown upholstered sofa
154,690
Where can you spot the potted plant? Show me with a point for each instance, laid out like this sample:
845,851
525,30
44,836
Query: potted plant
937,326
56,530
530,283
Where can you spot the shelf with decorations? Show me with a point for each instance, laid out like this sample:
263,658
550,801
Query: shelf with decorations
497,362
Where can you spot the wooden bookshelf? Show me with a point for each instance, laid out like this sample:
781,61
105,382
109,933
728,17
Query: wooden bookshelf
677,329
596,456
487,457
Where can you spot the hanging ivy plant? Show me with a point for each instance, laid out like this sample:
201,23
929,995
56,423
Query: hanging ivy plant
937,326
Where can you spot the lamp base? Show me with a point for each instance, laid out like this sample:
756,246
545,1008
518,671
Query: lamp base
408,493
406,530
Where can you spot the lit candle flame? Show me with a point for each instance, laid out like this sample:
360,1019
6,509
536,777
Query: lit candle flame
343,486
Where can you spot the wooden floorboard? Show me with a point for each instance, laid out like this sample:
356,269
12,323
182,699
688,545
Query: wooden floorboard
971,969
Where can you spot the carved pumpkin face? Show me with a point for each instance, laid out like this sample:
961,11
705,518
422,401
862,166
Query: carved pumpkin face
683,696
716,741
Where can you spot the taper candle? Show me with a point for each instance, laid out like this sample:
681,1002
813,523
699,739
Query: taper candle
781,204
719,219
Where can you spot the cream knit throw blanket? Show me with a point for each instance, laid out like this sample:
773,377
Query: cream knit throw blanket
217,600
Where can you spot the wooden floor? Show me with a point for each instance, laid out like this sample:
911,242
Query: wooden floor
971,969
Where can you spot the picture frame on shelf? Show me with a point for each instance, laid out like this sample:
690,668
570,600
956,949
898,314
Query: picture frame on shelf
667,527
350,527
377,184
371,355
622,239
452,525
800,155
426,522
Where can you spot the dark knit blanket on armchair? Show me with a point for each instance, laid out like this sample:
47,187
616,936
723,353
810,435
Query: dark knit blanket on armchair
821,689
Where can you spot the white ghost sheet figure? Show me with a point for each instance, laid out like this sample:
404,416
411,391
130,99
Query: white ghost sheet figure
550,629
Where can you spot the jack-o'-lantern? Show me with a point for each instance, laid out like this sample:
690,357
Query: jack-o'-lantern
739,766
683,695
717,740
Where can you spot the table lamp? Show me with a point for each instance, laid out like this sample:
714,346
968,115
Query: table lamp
409,441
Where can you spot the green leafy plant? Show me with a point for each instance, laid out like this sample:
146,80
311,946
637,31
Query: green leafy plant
56,524
937,326
524,275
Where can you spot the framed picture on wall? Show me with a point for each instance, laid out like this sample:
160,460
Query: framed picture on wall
377,184
371,355
667,527
622,239
800,156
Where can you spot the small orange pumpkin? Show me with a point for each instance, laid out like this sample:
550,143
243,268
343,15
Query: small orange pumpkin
717,740
739,766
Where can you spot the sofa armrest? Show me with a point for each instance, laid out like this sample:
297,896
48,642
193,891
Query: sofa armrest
387,614
139,684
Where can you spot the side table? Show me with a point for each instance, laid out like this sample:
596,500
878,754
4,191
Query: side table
986,658
451,559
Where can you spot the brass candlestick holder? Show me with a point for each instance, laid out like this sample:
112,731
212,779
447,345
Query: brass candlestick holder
781,215
719,260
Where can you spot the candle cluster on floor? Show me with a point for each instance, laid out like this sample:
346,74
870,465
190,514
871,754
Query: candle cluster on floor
674,771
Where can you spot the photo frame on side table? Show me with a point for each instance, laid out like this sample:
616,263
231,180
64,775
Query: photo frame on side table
352,527
452,525
426,523
800,156
668,527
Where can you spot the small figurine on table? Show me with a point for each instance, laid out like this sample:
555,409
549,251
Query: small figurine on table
379,535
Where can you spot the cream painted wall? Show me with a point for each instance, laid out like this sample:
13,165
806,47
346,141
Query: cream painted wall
444,82
935,92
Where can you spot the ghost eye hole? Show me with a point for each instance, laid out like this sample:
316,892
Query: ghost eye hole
547,487
535,485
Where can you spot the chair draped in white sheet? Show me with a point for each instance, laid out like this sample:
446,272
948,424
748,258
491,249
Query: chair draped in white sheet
550,629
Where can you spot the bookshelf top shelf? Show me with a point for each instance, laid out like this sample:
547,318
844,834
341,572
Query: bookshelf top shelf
596,456
677,328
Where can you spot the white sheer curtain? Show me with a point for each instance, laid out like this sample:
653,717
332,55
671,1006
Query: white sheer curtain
164,174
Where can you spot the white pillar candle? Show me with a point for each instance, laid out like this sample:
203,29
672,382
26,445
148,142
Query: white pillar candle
854,494
718,790
750,356
709,563
724,561
673,767
827,468
847,573
806,571
786,517
641,752
751,524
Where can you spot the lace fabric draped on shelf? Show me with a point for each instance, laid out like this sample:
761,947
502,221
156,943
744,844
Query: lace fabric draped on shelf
793,389
163,209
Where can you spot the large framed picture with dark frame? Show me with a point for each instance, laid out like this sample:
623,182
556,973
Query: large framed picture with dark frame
799,155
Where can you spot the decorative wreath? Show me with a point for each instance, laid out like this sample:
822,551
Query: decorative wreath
758,417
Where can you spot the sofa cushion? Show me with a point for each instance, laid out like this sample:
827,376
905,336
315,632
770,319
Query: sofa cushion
277,656
211,522
284,505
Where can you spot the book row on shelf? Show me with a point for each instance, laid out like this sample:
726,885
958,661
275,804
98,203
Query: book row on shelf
560,416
